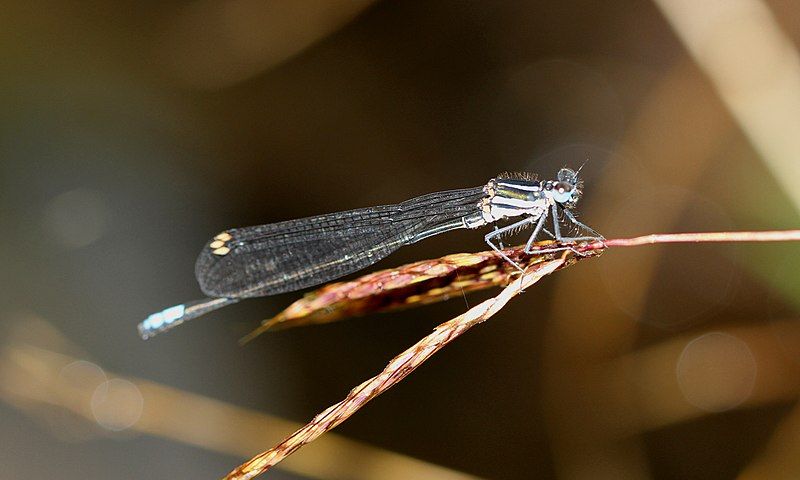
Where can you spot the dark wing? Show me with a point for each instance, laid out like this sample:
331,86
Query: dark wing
296,254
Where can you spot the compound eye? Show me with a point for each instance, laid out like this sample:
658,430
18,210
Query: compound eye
567,175
563,187
562,192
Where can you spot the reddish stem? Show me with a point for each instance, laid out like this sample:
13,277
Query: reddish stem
766,236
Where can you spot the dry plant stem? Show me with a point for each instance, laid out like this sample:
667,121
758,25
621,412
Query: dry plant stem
396,370
409,360
765,236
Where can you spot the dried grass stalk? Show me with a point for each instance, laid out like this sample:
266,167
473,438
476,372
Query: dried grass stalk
411,285
396,370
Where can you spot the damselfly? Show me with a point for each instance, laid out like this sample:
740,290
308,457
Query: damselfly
292,255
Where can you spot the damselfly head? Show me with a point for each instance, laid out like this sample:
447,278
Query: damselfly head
568,189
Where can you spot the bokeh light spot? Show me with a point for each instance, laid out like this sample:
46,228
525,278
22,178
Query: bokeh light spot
716,372
82,375
77,218
117,404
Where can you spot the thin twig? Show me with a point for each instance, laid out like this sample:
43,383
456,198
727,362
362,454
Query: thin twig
704,237
395,371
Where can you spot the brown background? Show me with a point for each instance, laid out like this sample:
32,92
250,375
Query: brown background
132,132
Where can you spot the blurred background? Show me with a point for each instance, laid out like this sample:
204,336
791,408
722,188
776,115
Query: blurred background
132,132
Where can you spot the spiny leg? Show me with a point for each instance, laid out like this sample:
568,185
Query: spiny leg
574,220
499,240
557,236
536,230
496,233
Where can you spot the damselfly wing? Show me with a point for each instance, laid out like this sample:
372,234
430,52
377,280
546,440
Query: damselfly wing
296,254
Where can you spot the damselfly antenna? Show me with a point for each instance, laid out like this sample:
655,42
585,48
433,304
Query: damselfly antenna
581,167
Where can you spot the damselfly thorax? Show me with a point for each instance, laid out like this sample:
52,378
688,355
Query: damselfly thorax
292,255
508,198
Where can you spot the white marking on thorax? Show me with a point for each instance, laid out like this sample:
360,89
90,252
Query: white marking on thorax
498,206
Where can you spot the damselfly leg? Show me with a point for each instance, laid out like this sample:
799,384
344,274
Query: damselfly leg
500,231
594,235
499,240
562,239
536,230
